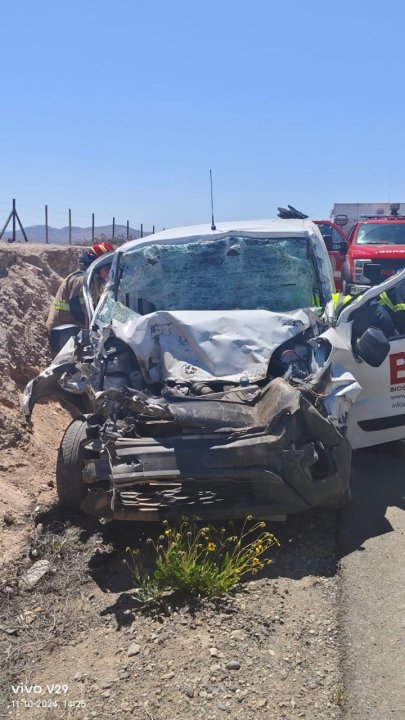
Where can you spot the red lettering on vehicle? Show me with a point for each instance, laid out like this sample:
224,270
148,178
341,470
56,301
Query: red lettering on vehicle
397,368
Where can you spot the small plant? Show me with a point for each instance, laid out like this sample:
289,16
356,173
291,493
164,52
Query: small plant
51,545
201,561
147,588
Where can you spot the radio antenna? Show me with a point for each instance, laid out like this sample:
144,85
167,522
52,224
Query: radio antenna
213,226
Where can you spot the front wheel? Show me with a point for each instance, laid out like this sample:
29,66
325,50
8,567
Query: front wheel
69,482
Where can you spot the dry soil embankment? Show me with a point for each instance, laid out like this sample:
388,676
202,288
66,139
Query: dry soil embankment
29,275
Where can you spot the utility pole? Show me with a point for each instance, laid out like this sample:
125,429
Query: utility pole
113,229
141,230
70,227
92,228
46,224
127,229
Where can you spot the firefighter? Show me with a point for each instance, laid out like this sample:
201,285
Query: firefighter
340,301
68,307
390,313
386,311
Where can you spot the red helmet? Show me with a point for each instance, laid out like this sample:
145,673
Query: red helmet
100,249
96,251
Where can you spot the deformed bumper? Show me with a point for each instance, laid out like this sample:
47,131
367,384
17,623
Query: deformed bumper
287,459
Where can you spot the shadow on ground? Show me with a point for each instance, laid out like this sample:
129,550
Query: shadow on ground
377,482
307,548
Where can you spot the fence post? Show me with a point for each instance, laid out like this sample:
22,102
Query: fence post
141,230
14,216
153,230
46,224
13,220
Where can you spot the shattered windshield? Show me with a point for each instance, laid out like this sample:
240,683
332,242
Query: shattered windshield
230,273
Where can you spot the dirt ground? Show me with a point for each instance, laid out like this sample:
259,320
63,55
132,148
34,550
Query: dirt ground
78,645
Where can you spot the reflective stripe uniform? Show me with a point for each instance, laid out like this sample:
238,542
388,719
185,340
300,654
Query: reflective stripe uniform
386,300
392,314
339,301
68,305
389,316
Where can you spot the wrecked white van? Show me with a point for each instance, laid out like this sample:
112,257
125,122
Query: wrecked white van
214,380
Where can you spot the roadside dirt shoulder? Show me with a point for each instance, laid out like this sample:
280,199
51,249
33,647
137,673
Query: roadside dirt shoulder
269,651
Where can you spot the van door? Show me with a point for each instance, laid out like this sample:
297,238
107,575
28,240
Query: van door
378,414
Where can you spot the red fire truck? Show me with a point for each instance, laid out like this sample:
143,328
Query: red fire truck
376,243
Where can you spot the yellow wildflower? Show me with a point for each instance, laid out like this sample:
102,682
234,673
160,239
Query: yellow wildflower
168,532
211,547
258,549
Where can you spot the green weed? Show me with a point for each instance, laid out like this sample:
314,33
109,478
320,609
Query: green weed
203,561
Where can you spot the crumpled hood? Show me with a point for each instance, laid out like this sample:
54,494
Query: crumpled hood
196,346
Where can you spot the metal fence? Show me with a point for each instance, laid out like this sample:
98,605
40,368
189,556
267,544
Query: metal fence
118,232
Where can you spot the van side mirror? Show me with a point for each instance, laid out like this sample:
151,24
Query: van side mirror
372,347
341,220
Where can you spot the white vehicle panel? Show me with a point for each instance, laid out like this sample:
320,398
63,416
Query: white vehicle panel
378,415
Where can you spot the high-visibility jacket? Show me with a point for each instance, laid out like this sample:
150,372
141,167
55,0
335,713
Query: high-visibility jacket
68,306
395,310
389,315
340,301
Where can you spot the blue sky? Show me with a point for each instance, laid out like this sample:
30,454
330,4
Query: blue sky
120,108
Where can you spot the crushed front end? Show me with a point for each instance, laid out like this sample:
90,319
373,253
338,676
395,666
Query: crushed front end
269,452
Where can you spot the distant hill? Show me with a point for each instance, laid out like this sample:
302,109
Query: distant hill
80,236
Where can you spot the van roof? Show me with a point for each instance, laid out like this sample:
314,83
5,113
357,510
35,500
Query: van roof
255,228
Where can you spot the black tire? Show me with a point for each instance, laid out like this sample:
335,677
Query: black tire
69,483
